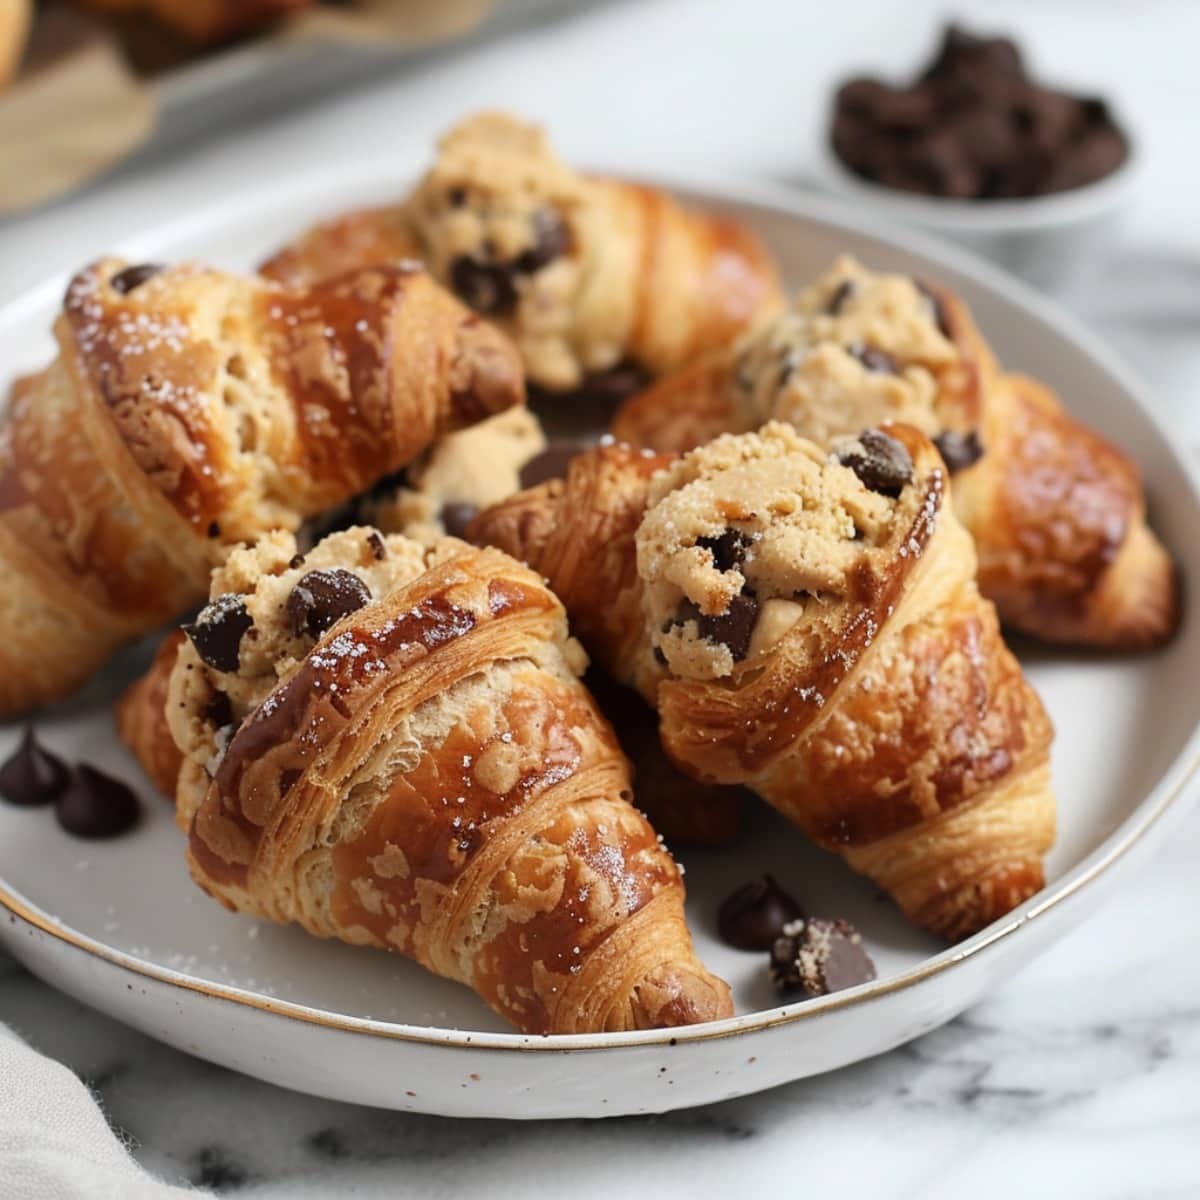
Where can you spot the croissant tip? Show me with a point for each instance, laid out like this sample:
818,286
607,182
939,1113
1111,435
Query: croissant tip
1153,606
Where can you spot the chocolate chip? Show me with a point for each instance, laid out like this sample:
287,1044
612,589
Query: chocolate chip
959,450
31,775
457,196
752,917
732,628
485,287
95,805
218,712
816,957
841,294
552,240
322,598
881,463
551,463
457,515
729,549
296,561
376,546
938,309
125,281
874,359
218,630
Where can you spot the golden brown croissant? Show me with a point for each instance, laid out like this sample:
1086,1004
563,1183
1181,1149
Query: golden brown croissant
584,273
809,625
1057,513
388,744
189,411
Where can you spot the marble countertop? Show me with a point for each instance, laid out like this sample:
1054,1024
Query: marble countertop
1083,1072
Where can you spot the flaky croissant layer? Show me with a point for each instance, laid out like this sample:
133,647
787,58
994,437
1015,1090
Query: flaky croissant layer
428,775
189,411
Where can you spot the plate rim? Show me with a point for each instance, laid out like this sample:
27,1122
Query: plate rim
793,203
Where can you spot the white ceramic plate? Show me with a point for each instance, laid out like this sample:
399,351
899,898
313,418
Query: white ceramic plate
120,925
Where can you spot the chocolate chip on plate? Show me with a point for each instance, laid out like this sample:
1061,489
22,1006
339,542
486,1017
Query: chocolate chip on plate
323,597
31,775
881,462
874,359
733,628
817,956
457,515
95,805
486,287
218,629
959,450
125,281
728,549
552,240
551,463
753,916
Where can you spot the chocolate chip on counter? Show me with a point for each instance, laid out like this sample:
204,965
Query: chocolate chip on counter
881,463
733,628
125,281
878,361
552,240
31,775
457,515
816,957
218,629
487,288
376,546
841,294
95,805
728,549
959,450
753,916
551,463
322,598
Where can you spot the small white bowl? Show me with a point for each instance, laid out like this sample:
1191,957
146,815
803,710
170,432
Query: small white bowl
1050,241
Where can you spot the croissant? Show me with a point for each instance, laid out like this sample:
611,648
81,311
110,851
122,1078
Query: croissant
584,273
189,411
808,624
387,743
1057,513
140,714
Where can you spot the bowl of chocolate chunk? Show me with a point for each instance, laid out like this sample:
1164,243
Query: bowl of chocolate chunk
977,149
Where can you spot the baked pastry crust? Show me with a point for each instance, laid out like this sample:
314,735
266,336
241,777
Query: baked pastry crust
584,273
888,719
1057,513
189,411
429,776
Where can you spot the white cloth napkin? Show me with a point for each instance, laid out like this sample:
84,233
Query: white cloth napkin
54,1141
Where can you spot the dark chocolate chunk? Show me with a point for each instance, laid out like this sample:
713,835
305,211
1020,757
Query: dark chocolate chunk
815,957
95,805
218,712
486,287
729,549
125,281
733,628
376,546
457,515
874,359
553,239
959,450
940,316
31,775
551,463
457,197
218,629
296,561
841,294
752,917
881,462
322,598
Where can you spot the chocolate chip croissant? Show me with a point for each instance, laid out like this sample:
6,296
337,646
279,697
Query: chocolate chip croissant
387,743
808,624
586,274
189,411
1057,513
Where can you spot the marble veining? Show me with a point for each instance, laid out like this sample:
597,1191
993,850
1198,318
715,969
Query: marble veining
1081,1076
